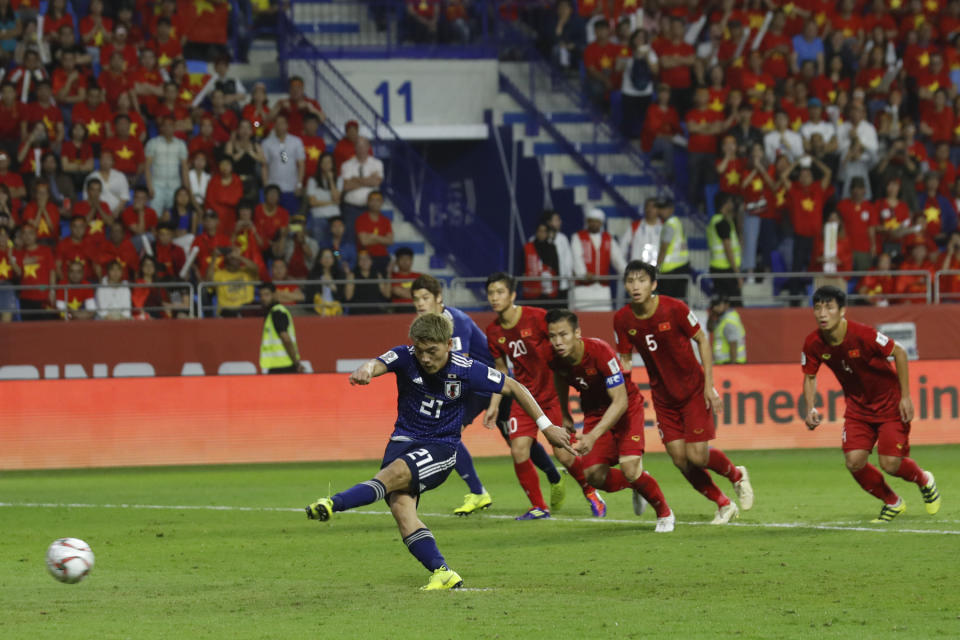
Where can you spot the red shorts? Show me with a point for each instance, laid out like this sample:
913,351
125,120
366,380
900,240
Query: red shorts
691,422
523,426
624,439
892,437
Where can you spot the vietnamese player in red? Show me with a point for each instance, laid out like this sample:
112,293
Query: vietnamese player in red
520,334
613,415
877,395
660,329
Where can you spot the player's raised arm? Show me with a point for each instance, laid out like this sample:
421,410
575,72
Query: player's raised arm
812,419
563,395
710,395
490,416
903,376
555,435
368,371
618,407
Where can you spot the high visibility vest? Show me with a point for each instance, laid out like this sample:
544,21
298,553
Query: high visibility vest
721,346
273,355
677,253
718,257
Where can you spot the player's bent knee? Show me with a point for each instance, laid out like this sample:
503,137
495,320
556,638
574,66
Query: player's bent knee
890,464
395,476
855,461
596,475
632,467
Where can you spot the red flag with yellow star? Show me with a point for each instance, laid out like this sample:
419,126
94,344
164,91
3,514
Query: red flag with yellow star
205,20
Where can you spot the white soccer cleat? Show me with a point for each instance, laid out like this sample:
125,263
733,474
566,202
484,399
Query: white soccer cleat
726,513
639,503
744,490
666,523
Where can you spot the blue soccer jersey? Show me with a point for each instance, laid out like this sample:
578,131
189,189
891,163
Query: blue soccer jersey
431,407
468,338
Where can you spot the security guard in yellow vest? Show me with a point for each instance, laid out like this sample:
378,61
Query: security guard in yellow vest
673,259
729,334
724,246
278,344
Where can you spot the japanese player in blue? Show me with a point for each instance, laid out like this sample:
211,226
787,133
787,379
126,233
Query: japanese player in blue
469,340
433,390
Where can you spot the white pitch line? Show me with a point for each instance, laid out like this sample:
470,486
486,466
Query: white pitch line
854,526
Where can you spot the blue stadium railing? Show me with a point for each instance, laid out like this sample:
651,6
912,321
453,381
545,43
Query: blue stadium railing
441,213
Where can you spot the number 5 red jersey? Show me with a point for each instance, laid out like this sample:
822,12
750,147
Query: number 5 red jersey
526,345
663,341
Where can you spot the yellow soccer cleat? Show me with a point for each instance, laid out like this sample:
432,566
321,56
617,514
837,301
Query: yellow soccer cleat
889,512
931,497
474,502
558,492
322,509
443,578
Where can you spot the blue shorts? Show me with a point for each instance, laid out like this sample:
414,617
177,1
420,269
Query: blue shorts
430,462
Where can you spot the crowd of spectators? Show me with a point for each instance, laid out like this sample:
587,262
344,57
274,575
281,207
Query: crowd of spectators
834,124
126,173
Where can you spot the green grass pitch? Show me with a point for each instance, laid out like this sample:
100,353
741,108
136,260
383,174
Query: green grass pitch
227,552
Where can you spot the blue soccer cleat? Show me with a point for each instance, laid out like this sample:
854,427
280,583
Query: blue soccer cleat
597,505
534,514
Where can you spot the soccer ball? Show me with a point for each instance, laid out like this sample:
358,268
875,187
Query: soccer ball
69,560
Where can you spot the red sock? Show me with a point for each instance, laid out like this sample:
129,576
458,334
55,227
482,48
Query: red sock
615,481
911,472
576,472
720,463
650,490
530,481
873,483
703,483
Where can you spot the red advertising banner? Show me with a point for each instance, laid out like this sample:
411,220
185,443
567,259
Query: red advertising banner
91,349
236,419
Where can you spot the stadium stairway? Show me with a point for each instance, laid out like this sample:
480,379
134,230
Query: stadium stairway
332,25
262,67
574,138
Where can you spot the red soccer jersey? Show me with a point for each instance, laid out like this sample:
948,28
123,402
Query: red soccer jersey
124,253
84,252
869,381
267,226
663,341
296,112
59,80
757,196
128,51
77,298
95,120
170,258
776,65
45,229
379,227
48,114
528,348
127,154
223,125
206,146
597,371
806,208
87,26
261,127
113,84
677,77
702,142
167,51
313,147
95,218
37,265
731,178
224,198
11,180
408,278
70,151
658,122
206,245
10,118
858,217
150,77
130,217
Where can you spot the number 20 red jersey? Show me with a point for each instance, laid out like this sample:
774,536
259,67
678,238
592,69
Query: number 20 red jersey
528,348
663,341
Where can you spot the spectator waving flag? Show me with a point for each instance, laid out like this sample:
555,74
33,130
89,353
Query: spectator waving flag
205,20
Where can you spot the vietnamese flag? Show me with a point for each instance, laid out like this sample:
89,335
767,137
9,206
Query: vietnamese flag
205,20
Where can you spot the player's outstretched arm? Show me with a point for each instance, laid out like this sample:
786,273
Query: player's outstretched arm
813,418
903,375
563,394
710,395
555,435
490,416
368,371
618,406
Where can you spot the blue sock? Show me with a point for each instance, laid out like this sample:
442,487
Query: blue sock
544,462
423,546
466,470
359,494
